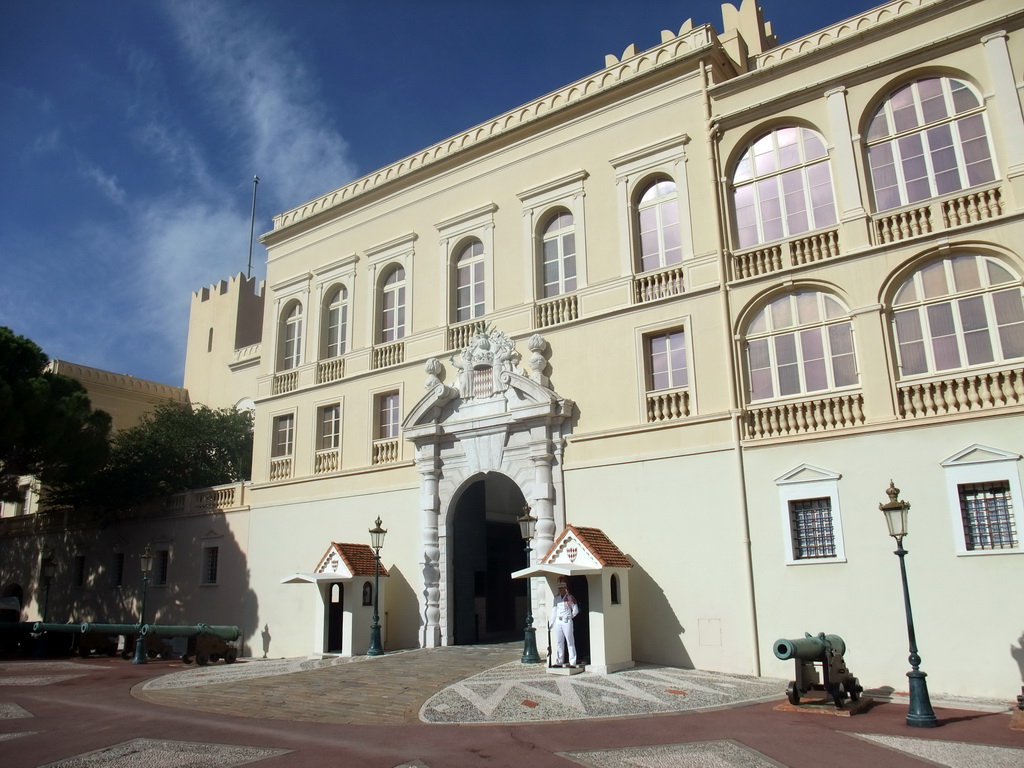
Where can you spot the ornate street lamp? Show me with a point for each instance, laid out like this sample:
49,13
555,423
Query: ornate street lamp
920,713
376,541
527,525
48,568
146,561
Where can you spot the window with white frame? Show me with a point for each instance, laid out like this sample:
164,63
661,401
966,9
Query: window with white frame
782,186
387,415
334,327
666,360
984,490
469,282
928,139
810,512
392,306
658,225
800,343
960,311
558,255
283,438
290,337
329,427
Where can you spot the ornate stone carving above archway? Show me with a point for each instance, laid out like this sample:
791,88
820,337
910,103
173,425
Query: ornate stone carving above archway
497,418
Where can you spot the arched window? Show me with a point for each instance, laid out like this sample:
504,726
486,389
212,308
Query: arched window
469,282
558,246
799,343
960,311
927,139
658,226
290,336
782,186
335,322
392,303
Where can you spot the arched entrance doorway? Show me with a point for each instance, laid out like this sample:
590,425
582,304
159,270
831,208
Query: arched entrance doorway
489,606
335,618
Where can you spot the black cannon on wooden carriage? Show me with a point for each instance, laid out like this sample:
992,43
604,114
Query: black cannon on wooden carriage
155,646
827,652
52,642
206,642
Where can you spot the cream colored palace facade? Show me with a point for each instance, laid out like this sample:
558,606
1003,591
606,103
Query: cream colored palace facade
709,300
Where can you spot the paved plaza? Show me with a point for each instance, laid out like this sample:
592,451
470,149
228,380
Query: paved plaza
465,706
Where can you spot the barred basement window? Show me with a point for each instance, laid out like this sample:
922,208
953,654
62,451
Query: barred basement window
811,525
987,514
117,570
78,571
163,558
210,557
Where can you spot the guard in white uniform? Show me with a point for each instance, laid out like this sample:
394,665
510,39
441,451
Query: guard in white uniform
564,609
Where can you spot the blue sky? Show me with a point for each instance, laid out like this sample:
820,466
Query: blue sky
131,131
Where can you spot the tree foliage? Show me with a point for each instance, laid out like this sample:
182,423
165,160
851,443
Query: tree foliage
48,428
172,449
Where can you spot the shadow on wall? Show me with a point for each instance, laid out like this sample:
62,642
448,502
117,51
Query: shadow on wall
1017,652
98,575
403,611
655,629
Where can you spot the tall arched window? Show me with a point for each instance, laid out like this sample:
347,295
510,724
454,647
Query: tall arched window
335,322
290,337
558,246
800,343
658,226
782,186
392,303
927,139
960,311
469,282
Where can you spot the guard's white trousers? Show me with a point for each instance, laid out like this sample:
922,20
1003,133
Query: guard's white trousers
562,636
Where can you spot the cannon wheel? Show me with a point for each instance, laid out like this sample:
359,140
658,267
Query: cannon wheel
186,659
793,694
838,692
126,654
202,659
165,654
230,656
214,657
855,689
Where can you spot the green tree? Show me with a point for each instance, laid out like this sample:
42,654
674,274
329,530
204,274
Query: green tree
174,448
48,428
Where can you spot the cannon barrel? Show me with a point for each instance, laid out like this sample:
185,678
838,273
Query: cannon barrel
110,629
42,626
809,648
192,630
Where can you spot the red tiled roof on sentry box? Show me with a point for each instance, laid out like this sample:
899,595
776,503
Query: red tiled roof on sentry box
359,558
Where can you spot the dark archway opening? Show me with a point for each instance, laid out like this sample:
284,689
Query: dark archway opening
489,606
579,588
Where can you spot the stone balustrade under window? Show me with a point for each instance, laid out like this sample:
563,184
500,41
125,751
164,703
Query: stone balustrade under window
961,393
561,309
937,215
281,468
330,370
459,336
667,405
328,460
804,249
285,382
391,354
385,451
804,416
652,286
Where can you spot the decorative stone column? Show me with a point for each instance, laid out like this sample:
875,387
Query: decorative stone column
431,565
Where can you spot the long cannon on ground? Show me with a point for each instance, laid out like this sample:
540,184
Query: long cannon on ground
192,630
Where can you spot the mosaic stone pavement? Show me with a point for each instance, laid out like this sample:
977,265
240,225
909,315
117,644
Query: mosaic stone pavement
246,670
522,693
146,753
9,711
705,754
53,672
951,753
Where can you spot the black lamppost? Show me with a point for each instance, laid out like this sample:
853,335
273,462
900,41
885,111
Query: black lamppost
146,561
920,713
48,568
376,541
527,525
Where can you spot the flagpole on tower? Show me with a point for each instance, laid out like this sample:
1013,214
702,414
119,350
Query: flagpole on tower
252,224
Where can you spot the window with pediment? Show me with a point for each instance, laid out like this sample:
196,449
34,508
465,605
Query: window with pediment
658,225
290,337
334,325
392,306
927,139
558,255
960,311
800,343
782,186
984,490
469,282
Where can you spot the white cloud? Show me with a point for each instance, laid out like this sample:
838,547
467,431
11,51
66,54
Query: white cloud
106,183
